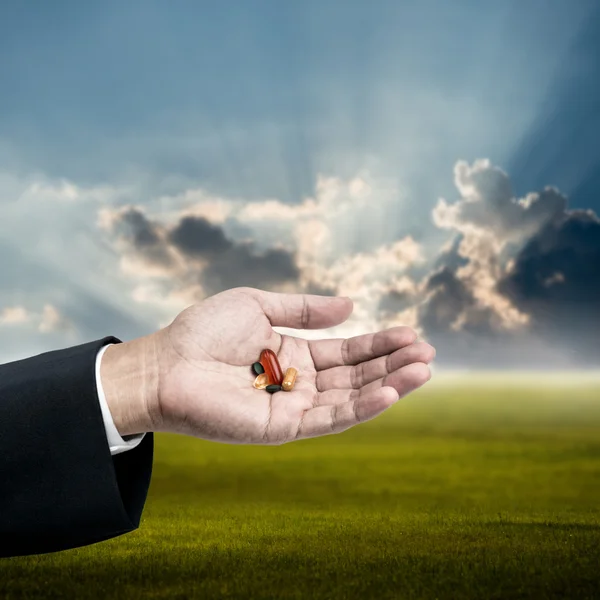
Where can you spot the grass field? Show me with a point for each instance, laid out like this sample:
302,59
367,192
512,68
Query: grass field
469,488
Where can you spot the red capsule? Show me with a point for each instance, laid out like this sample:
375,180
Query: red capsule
268,359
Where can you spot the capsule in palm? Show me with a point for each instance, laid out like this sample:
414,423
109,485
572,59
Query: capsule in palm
289,379
268,359
273,389
258,368
261,381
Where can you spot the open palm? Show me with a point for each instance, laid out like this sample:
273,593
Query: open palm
205,381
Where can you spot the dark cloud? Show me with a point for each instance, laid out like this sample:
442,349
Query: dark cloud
225,263
231,264
447,298
143,232
472,342
242,266
518,285
556,280
197,236
395,302
143,235
531,258
451,258
488,203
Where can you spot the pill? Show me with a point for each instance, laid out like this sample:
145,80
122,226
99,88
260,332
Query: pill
289,379
258,368
273,388
268,359
261,381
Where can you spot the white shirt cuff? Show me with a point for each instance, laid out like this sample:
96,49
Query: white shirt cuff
115,441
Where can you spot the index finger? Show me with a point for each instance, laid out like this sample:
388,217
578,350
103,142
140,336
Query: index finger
351,351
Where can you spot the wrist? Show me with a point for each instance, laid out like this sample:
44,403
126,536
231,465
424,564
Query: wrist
129,378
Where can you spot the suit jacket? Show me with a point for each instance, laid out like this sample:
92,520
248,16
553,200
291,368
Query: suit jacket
59,485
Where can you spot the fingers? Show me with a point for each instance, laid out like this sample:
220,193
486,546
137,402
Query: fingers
402,381
302,311
357,376
335,418
338,410
351,351
344,408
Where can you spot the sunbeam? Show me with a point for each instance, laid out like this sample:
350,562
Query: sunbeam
395,152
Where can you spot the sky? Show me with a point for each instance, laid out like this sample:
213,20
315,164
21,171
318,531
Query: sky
438,162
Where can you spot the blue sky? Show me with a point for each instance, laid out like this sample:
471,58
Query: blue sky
94,90
255,99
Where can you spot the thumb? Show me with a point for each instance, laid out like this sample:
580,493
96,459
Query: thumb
303,311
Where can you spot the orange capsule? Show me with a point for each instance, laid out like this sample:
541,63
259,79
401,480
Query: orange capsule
289,379
268,359
261,381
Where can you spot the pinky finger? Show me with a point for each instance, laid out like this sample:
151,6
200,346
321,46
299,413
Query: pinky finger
325,420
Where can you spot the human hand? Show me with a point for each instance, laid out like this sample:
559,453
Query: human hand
201,381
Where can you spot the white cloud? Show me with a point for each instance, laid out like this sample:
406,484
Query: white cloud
11,315
491,220
168,252
52,320
49,320
314,231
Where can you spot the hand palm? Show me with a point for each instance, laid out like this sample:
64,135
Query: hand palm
206,380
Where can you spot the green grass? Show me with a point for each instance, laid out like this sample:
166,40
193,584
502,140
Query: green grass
463,490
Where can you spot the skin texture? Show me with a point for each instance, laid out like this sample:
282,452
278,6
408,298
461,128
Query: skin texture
194,377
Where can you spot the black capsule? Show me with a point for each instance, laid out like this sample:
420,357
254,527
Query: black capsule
273,388
258,368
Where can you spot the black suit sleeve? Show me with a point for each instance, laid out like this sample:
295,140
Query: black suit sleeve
59,485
